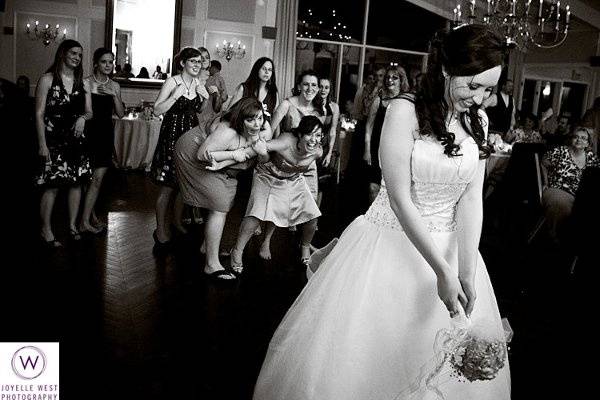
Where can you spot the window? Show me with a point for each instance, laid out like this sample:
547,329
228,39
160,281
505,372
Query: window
401,25
333,20
396,32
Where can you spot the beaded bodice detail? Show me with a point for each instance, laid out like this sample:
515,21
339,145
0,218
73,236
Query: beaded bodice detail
437,183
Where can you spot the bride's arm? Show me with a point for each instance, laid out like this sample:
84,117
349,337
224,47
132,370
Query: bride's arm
395,151
469,217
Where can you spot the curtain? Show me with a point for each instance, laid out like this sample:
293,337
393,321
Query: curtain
284,52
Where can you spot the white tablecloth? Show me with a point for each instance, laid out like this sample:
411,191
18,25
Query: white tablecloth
496,164
135,142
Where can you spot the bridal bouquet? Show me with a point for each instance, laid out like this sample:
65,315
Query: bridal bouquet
467,351
477,357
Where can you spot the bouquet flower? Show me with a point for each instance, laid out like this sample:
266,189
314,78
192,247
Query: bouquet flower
466,352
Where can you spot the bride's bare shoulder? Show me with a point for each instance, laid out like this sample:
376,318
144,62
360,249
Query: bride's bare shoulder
404,112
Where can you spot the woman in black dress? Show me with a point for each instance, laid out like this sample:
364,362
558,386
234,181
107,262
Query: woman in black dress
63,105
395,82
106,98
180,100
331,112
260,84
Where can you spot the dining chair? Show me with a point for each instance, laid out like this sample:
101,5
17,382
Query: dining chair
584,219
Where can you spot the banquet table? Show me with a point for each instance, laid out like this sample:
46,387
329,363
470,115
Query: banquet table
496,164
135,141
495,168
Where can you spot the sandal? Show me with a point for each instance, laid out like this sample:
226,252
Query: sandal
220,275
75,235
50,244
236,268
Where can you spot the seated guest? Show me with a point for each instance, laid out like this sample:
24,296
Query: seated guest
143,73
555,130
125,72
158,74
526,133
591,119
563,167
498,144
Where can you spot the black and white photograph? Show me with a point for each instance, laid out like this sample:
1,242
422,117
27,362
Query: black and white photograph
299,199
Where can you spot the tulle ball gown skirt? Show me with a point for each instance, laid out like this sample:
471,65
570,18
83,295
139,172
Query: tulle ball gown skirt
365,324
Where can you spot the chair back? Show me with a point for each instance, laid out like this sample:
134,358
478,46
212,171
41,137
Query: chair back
585,217
523,178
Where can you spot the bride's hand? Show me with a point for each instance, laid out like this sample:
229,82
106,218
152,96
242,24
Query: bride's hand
451,293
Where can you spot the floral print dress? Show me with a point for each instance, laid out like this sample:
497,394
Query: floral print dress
69,163
563,173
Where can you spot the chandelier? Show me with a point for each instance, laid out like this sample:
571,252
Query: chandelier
229,50
47,35
519,22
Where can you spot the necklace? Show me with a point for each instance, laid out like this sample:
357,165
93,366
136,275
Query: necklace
187,87
101,83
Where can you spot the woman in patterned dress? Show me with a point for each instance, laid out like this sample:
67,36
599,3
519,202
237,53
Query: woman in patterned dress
63,105
180,99
563,167
395,83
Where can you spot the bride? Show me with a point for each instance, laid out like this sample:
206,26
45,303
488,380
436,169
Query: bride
365,323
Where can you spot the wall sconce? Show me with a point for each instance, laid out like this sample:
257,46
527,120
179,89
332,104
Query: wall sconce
47,34
229,51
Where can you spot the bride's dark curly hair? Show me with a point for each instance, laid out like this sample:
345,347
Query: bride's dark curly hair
465,51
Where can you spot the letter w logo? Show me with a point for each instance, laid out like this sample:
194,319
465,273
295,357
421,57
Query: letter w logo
29,362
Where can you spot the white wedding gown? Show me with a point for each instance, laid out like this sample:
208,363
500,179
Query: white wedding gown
365,323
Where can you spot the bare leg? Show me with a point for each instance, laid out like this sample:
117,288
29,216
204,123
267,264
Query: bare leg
308,231
178,213
265,247
249,225
212,236
74,202
90,201
46,207
162,206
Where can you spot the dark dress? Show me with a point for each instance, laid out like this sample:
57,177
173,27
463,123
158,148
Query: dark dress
375,169
100,131
269,102
328,120
180,118
69,164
